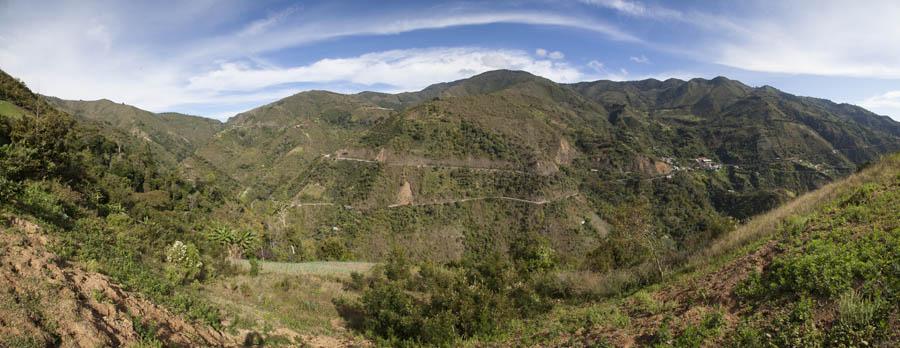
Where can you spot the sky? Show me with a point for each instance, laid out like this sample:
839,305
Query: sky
219,58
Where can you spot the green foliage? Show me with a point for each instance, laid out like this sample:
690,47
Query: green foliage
254,266
533,254
238,243
37,199
694,336
796,328
860,320
441,304
146,332
843,257
183,263
334,248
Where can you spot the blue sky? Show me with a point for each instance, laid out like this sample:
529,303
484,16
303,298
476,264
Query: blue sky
218,58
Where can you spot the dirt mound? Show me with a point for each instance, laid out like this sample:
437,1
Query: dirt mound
405,196
47,302
718,287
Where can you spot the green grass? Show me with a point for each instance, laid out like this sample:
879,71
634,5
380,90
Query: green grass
302,302
11,110
322,268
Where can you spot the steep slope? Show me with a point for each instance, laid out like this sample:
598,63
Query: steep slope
854,134
172,138
818,271
104,201
177,133
264,147
48,302
507,144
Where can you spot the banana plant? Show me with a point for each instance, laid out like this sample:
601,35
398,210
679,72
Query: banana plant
236,242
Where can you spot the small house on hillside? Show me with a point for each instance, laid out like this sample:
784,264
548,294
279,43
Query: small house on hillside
707,163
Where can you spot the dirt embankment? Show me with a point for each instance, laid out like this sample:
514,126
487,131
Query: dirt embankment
48,302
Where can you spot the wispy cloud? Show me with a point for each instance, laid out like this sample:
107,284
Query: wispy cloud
311,30
829,38
87,50
637,9
642,59
401,70
887,103
825,38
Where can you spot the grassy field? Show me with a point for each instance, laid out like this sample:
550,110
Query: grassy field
8,109
288,302
320,268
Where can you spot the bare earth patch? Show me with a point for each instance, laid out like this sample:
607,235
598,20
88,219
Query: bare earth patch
44,301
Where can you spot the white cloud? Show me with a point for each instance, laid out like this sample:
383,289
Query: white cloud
640,60
637,9
402,70
596,66
161,58
313,31
814,37
830,38
885,104
540,52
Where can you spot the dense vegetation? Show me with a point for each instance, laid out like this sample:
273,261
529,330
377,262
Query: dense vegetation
491,201
843,258
111,206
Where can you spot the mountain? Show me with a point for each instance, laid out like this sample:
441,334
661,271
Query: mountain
176,133
481,154
502,198
173,138
88,215
813,272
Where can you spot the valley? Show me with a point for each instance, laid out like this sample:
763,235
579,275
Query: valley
503,209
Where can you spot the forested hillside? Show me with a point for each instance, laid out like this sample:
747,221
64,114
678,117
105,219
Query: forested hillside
472,164
478,211
105,202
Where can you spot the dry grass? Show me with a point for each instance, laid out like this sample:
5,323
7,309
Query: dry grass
291,297
322,268
764,225
302,303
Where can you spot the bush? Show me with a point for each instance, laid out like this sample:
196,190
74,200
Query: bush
254,267
443,303
183,263
796,328
333,248
860,321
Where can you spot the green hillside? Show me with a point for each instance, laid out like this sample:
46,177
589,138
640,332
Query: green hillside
177,133
501,209
820,271
467,161
78,199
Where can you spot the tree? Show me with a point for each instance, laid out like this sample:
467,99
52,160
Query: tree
633,219
237,243
183,262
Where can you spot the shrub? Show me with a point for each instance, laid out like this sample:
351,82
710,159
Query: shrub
183,262
333,248
533,254
9,189
238,243
443,303
795,328
254,266
38,200
860,321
